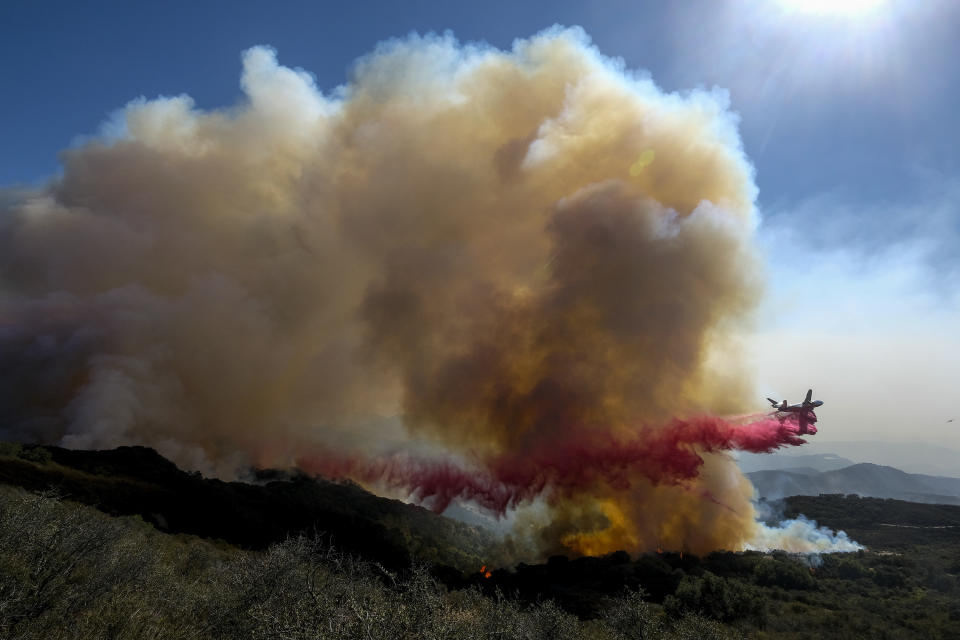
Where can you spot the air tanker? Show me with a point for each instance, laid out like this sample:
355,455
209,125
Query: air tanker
803,411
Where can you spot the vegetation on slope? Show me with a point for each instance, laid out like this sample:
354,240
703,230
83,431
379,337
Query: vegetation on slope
138,481
67,570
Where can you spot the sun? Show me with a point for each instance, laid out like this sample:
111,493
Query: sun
833,7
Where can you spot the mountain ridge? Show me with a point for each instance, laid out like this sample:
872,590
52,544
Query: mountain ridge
912,457
139,481
864,479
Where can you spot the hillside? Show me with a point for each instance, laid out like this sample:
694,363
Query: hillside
816,462
868,480
68,571
139,481
825,455
129,577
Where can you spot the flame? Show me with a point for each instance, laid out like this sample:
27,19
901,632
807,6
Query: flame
619,533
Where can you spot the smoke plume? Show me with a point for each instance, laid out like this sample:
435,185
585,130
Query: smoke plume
492,276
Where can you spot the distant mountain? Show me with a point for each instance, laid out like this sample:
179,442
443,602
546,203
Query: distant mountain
817,462
805,471
912,457
865,479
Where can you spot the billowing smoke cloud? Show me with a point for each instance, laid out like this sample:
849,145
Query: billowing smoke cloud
467,273
802,535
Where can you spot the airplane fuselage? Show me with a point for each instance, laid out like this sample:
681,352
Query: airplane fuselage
797,408
804,412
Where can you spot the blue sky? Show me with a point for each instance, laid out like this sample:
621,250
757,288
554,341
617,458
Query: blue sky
866,110
851,123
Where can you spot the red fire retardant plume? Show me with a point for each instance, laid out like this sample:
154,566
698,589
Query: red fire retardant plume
668,455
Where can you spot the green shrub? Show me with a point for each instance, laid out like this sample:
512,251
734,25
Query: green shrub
718,598
851,569
634,618
11,449
36,454
783,573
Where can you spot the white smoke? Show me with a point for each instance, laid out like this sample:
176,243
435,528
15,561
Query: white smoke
801,535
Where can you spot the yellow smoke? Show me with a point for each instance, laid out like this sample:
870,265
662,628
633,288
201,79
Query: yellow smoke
462,250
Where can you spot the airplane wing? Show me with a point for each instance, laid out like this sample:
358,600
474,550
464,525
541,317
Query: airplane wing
772,401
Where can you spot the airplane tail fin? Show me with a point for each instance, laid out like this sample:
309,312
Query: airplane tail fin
772,402
809,395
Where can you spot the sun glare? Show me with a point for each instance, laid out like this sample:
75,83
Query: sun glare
833,7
